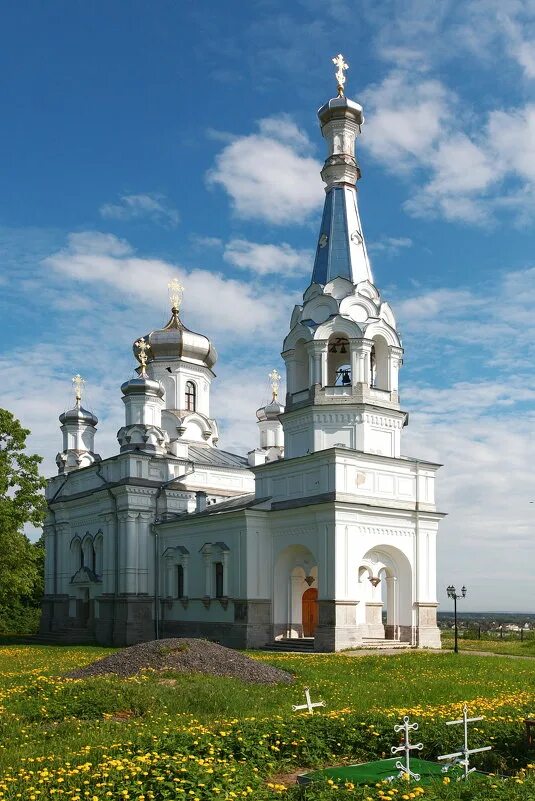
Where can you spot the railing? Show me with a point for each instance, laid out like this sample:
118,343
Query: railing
338,391
302,395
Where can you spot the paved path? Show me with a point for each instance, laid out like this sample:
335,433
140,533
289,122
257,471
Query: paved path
394,651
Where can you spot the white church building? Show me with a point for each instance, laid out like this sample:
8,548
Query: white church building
325,534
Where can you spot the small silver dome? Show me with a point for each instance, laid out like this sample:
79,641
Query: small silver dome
78,415
175,341
142,386
271,411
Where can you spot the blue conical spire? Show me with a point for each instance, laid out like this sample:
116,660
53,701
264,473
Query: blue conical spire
341,250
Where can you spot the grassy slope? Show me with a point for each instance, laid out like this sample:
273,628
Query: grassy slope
46,716
40,704
507,646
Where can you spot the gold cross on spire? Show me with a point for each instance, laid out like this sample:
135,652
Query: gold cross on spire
341,65
275,378
176,291
142,348
78,383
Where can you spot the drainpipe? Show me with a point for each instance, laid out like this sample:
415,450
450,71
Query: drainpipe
416,552
115,545
189,469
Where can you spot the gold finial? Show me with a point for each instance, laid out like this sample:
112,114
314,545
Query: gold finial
176,291
78,383
274,377
339,62
142,348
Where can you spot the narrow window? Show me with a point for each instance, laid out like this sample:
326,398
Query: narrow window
191,399
218,579
179,581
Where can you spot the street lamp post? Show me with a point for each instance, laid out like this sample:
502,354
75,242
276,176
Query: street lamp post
452,593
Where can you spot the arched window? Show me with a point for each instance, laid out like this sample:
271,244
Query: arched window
218,579
191,396
179,581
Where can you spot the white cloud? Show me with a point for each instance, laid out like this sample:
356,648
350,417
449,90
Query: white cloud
390,245
405,117
265,259
211,301
270,175
149,206
414,128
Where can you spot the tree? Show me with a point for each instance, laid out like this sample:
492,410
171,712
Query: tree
22,501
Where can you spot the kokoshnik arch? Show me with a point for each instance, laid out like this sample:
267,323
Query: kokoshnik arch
324,533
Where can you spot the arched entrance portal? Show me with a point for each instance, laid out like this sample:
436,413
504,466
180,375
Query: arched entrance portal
309,611
385,585
296,572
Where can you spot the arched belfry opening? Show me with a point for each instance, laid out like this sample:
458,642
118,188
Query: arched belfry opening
338,361
379,363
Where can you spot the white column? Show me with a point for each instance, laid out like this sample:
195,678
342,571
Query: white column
63,574
225,561
207,556
49,537
128,552
355,362
143,551
170,568
185,568
392,605
395,361
290,373
324,365
366,348
296,606
108,552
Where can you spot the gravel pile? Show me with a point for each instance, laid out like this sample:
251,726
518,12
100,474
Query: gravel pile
184,655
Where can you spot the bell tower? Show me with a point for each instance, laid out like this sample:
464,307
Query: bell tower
343,351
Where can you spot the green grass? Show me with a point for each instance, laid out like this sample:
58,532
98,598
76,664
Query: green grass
507,646
47,720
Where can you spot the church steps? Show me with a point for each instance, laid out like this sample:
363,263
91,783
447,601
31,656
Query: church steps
292,645
378,643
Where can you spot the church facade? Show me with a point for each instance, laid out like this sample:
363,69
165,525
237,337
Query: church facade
325,533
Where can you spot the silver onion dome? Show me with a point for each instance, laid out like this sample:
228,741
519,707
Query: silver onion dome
78,415
175,341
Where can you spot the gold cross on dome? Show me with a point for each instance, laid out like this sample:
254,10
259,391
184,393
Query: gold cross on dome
341,65
275,378
176,290
142,348
78,383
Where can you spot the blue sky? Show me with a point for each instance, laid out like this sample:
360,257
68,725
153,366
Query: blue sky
142,141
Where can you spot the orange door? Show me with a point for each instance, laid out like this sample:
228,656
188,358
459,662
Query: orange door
310,612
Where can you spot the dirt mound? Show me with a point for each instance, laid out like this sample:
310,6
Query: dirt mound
185,655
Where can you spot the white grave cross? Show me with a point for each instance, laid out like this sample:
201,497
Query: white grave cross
309,705
407,747
462,757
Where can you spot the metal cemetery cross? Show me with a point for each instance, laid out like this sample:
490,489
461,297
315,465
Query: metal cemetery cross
462,757
407,747
309,705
